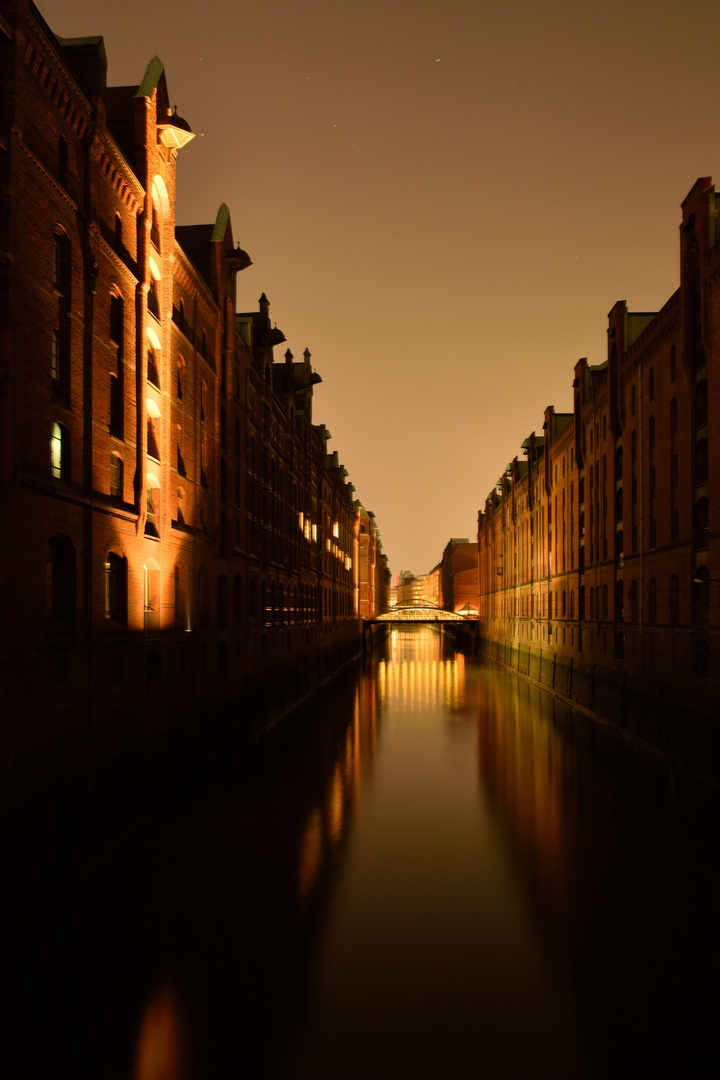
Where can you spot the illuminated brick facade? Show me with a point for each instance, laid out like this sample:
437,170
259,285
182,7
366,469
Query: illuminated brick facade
174,534
600,550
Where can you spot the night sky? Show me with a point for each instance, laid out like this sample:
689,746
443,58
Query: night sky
442,200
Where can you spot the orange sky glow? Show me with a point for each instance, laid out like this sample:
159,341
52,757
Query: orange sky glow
442,200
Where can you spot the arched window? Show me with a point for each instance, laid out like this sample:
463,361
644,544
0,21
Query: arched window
619,504
60,452
116,588
156,222
153,296
619,463
151,595
61,580
119,244
116,476
651,433
152,521
673,416
180,459
153,428
153,357
605,595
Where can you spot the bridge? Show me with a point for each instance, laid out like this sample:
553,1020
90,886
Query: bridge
423,612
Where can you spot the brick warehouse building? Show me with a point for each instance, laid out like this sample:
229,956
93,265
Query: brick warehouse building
174,532
600,549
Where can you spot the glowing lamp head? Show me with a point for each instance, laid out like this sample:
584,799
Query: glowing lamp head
175,132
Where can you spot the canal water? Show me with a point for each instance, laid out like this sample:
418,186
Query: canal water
441,872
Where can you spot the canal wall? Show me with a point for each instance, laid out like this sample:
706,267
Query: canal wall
664,717
119,752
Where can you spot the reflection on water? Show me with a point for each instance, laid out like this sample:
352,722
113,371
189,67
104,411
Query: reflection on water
441,873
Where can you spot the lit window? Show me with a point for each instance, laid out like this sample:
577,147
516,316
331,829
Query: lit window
60,452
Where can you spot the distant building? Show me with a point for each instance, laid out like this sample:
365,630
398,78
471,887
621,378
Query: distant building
373,576
459,571
600,546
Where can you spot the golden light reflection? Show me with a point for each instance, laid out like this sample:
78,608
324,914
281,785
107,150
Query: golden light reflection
311,848
327,823
159,1052
418,675
523,763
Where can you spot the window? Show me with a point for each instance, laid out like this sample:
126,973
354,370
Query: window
118,233
180,459
633,601
116,476
701,462
152,520
116,588
702,523
117,378
619,463
153,363
153,297
619,596
180,377
619,504
651,384
673,416
155,224
152,443
61,581
60,452
633,400
701,404
151,595
60,344
673,364
651,433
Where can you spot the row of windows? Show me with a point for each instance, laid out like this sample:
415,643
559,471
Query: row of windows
560,605
274,605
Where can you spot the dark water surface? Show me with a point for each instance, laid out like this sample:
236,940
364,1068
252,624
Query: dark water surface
441,873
